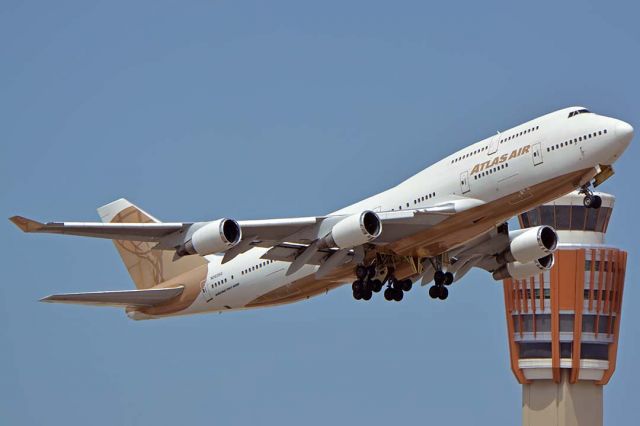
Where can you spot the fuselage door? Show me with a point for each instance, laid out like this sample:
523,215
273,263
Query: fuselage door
464,182
537,153
493,145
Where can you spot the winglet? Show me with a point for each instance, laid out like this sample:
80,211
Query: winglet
26,225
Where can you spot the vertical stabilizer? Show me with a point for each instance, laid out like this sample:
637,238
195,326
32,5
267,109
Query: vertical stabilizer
147,267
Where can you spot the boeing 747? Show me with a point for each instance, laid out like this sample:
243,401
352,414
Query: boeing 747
433,227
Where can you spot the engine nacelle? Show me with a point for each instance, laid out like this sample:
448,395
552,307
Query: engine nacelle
520,271
354,230
529,244
214,237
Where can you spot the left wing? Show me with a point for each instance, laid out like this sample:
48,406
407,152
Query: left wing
144,298
112,231
303,240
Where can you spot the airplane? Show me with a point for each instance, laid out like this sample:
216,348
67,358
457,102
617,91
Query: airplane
434,227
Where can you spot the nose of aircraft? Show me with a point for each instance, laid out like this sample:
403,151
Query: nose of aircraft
624,134
624,130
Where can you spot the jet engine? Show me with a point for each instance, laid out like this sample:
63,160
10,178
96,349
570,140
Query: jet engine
518,270
527,245
354,230
214,237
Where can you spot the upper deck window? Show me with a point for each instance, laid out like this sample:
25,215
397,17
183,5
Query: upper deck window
580,111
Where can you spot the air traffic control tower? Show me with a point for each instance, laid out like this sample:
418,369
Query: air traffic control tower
563,325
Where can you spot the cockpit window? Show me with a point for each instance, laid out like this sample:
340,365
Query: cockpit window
579,111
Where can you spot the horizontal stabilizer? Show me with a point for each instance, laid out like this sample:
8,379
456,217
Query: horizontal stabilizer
143,298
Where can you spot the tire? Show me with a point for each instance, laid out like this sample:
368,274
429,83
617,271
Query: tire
366,295
444,293
434,292
376,286
448,278
597,202
398,295
357,295
361,272
356,286
588,201
438,277
388,294
406,285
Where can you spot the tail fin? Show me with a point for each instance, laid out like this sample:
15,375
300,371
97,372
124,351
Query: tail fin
146,266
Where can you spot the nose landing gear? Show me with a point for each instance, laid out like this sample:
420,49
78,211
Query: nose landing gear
590,200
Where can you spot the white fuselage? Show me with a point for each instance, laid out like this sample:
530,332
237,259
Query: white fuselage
531,153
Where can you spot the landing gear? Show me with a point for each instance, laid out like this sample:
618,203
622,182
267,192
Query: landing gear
393,294
440,279
368,282
438,292
590,200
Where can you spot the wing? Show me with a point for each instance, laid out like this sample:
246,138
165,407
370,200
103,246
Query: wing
412,232
113,231
147,298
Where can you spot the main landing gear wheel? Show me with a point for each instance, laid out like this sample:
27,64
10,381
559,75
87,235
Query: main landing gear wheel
444,293
434,291
406,285
394,290
376,286
442,278
438,292
388,294
448,278
366,295
358,290
398,294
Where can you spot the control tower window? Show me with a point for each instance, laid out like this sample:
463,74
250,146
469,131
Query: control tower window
592,217
603,219
577,218
563,217
547,216
566,322
594,351
535,350
565,349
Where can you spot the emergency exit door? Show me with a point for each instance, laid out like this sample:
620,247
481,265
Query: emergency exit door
537,154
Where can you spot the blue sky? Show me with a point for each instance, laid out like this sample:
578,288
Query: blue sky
198,110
